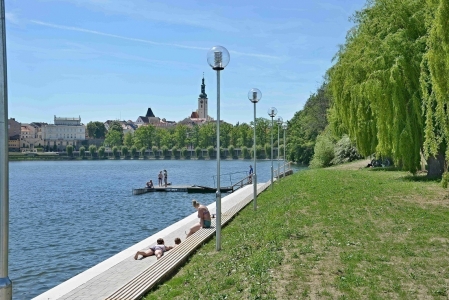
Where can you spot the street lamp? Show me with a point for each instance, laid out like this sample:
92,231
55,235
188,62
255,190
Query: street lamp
279,120
284,126
272,111
218,59
254,95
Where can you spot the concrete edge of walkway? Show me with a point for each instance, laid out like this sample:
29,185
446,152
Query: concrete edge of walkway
83,277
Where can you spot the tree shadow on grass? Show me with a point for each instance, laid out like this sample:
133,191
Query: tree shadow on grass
375,169
421,178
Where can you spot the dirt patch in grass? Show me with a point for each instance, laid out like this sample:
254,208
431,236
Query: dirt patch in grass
434,196
309,275
355,165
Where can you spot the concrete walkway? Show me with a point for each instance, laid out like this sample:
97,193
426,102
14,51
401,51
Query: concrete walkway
103,279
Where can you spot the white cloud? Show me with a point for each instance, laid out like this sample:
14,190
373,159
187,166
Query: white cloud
71,28
11,17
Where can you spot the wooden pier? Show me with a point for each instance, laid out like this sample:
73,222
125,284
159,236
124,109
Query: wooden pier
186,189
278,173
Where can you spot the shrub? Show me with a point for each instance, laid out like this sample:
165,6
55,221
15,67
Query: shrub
69,150
245,152
82,152
260,152
281,151
142,151
92,150
102,152
231,151
268,150
133,151
210,151
174,152
115,152
155,151
125,151
164,151
184,152
345,151
198,152
324,151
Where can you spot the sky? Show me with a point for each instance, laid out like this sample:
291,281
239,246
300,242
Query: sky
113,59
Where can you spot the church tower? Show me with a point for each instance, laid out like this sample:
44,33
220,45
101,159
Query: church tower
202,102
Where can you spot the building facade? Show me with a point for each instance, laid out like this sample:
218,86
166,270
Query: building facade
13,135
30,136
13,128
64,132
14,145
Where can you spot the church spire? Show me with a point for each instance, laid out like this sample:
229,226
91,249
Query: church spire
203,94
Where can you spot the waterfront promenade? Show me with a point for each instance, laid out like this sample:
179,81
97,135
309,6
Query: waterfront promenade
105,278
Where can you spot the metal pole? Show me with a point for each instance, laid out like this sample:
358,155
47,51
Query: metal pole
271,153
218,193
284,153
279,177
5,282
254,173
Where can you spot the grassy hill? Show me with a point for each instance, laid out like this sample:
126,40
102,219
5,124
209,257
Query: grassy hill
328,234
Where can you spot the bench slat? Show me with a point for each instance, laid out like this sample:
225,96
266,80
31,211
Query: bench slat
163,267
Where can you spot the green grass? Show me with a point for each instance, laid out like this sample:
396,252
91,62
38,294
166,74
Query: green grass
328,234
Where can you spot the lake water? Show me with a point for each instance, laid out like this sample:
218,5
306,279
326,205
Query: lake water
67,216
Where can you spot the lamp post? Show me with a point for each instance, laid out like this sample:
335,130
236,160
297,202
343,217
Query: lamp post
254,95
284,126
279,120
5,282
272,111
218,59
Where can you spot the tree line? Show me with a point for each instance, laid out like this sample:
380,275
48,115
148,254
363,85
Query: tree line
191,137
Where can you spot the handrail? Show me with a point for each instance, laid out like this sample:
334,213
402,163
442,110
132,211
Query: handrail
283,171
241,182
230,176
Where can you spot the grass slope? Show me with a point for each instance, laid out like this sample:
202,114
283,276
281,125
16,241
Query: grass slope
328,234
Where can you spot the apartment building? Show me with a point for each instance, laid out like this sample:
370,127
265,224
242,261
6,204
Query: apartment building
64,132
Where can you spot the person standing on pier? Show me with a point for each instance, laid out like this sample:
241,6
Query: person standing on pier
160,176
250,176
165,178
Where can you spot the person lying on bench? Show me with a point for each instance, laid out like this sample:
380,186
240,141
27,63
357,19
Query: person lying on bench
157,250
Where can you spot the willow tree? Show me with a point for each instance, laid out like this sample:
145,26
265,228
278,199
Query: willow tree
434,83
375,81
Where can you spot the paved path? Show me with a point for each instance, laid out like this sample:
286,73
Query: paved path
103,279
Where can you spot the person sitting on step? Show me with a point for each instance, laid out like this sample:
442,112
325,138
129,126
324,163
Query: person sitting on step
203,214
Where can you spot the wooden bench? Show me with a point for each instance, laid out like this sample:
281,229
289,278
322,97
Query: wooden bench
173,259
